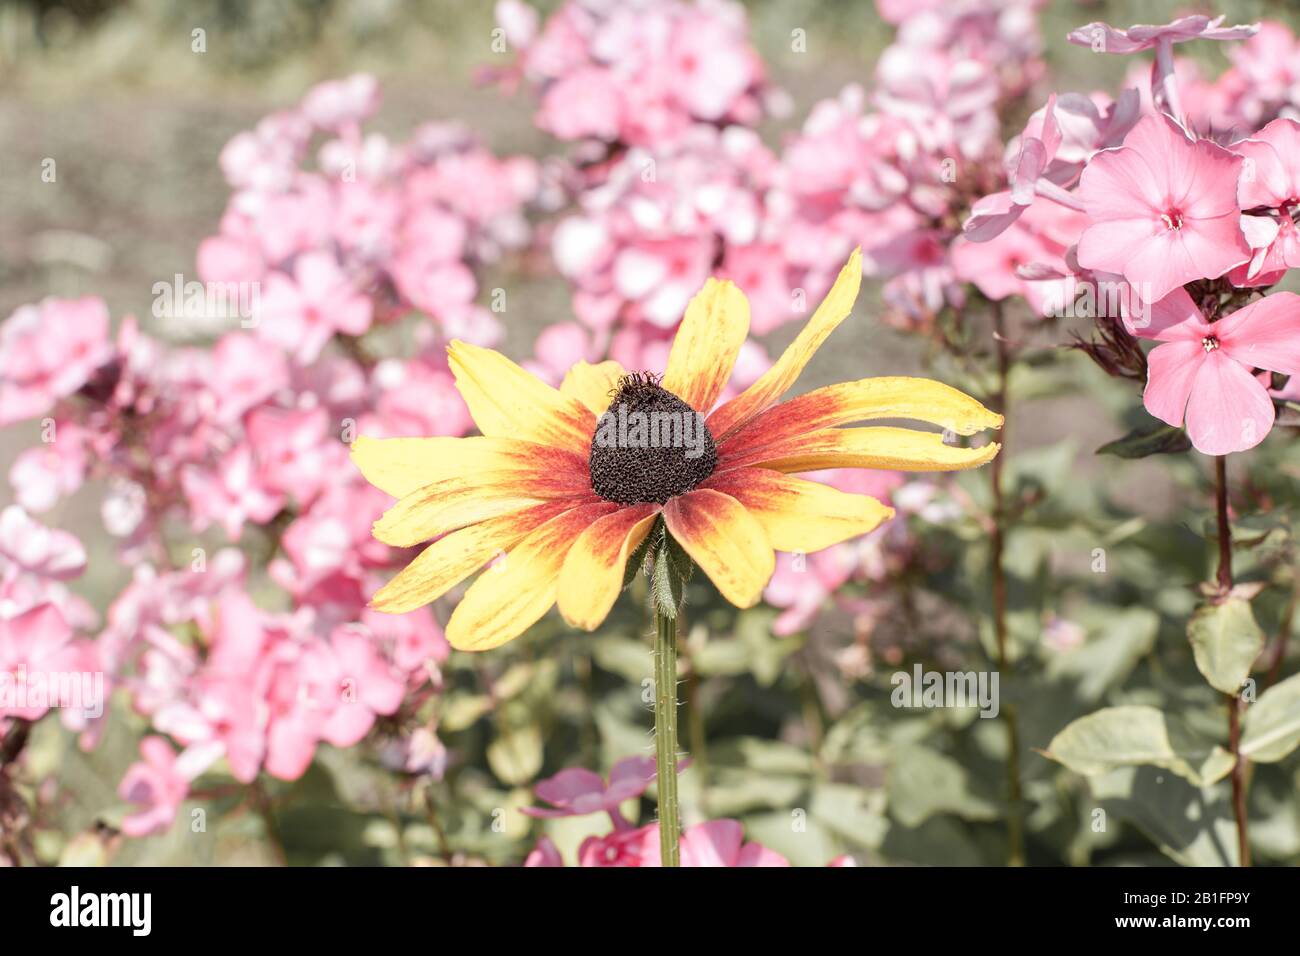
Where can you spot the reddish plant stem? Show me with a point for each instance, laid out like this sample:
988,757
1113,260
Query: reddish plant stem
997,544
1225,531
1233,700
1278,652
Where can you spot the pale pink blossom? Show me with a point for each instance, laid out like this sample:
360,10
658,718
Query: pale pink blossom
293,450
585,103
1162,210
230,495
301,313
1106,39
38,550
42,475
1103,38
35,647
47,352
156,786
1203,372
544,854
715,843
338,104
1269,191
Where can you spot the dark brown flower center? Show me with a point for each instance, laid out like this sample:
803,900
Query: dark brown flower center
650,445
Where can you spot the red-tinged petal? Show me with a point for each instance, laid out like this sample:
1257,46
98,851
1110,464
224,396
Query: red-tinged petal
451,559
774,383
800,515
725,540
461,500
514,593
883,447
400,466
592,575
867,399
508,402
706,345
593,385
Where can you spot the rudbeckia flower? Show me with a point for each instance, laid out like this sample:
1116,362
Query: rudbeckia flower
552,492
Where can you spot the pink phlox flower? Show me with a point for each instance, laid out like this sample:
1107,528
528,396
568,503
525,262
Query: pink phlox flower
157,785
1202,373
1162,210
577,791
47,352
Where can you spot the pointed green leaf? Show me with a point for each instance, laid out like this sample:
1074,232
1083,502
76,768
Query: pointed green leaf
1133,735
636,560
1155,438
1271,727
1225,642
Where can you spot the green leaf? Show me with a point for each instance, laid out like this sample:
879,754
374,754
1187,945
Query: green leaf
636,560
856,814
1103,661
924,782
515,756
514,681
623,656
1191,825
802,840
752,648
1225,642
1271,727
1133,735
678,559
461,710
667,588
1155,438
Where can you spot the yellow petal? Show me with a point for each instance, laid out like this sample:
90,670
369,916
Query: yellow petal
800,515
725,540
508,402
451,559
463,499
513,594
867,399
400,466
592,574
897,449
706,345
774,383
593,385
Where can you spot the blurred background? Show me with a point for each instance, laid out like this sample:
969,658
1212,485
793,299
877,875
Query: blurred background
136,120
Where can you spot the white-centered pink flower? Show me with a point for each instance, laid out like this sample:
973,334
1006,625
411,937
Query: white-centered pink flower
1269,192
301,313
1203,372
48,351
1103,38
1162,210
